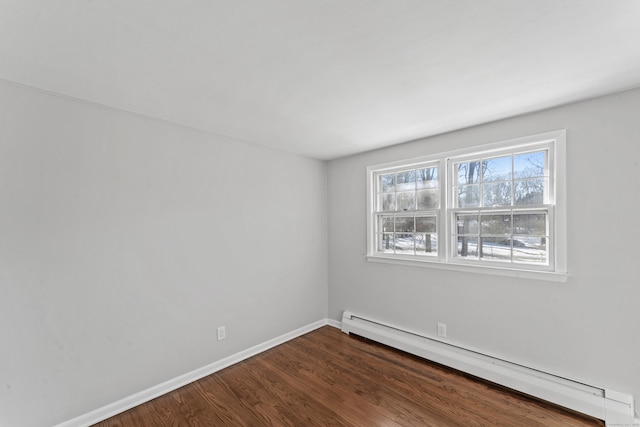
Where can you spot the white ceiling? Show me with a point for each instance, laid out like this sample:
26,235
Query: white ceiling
323,78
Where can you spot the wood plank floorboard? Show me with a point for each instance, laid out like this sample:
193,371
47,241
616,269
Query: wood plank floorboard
327,378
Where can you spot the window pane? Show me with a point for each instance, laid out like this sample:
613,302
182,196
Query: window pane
406,180
529,165
496,248
496,224
428,199
530,249
387,202
467,173
406,201
387,183
467,247
496,194
426,244
404,243
467,223
530,224
385,243
385,224
468,196
427,178
426,224
529,191
404,223
498,169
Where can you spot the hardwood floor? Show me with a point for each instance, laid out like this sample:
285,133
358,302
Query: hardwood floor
327,378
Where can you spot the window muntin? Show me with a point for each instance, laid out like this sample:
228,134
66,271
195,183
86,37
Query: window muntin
490,206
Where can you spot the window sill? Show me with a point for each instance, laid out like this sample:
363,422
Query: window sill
548,276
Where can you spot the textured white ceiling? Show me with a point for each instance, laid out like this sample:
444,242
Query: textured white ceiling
323,78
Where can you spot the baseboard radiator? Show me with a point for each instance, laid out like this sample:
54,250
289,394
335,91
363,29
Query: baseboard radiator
615,408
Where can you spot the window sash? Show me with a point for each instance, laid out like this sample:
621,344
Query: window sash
407,233
419,190
510,246
478,184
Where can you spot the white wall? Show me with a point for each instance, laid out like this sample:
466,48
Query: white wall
124,243
587,328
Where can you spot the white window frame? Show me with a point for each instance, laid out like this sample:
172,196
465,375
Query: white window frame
555,205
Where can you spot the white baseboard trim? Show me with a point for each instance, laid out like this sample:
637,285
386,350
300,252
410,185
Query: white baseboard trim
334,323
143,396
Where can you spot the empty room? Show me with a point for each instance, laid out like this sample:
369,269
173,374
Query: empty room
319,212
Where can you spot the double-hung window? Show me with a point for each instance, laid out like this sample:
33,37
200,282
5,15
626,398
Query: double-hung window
496,208
407,210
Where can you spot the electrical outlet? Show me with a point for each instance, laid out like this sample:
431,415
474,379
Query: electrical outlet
222,333
442,329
